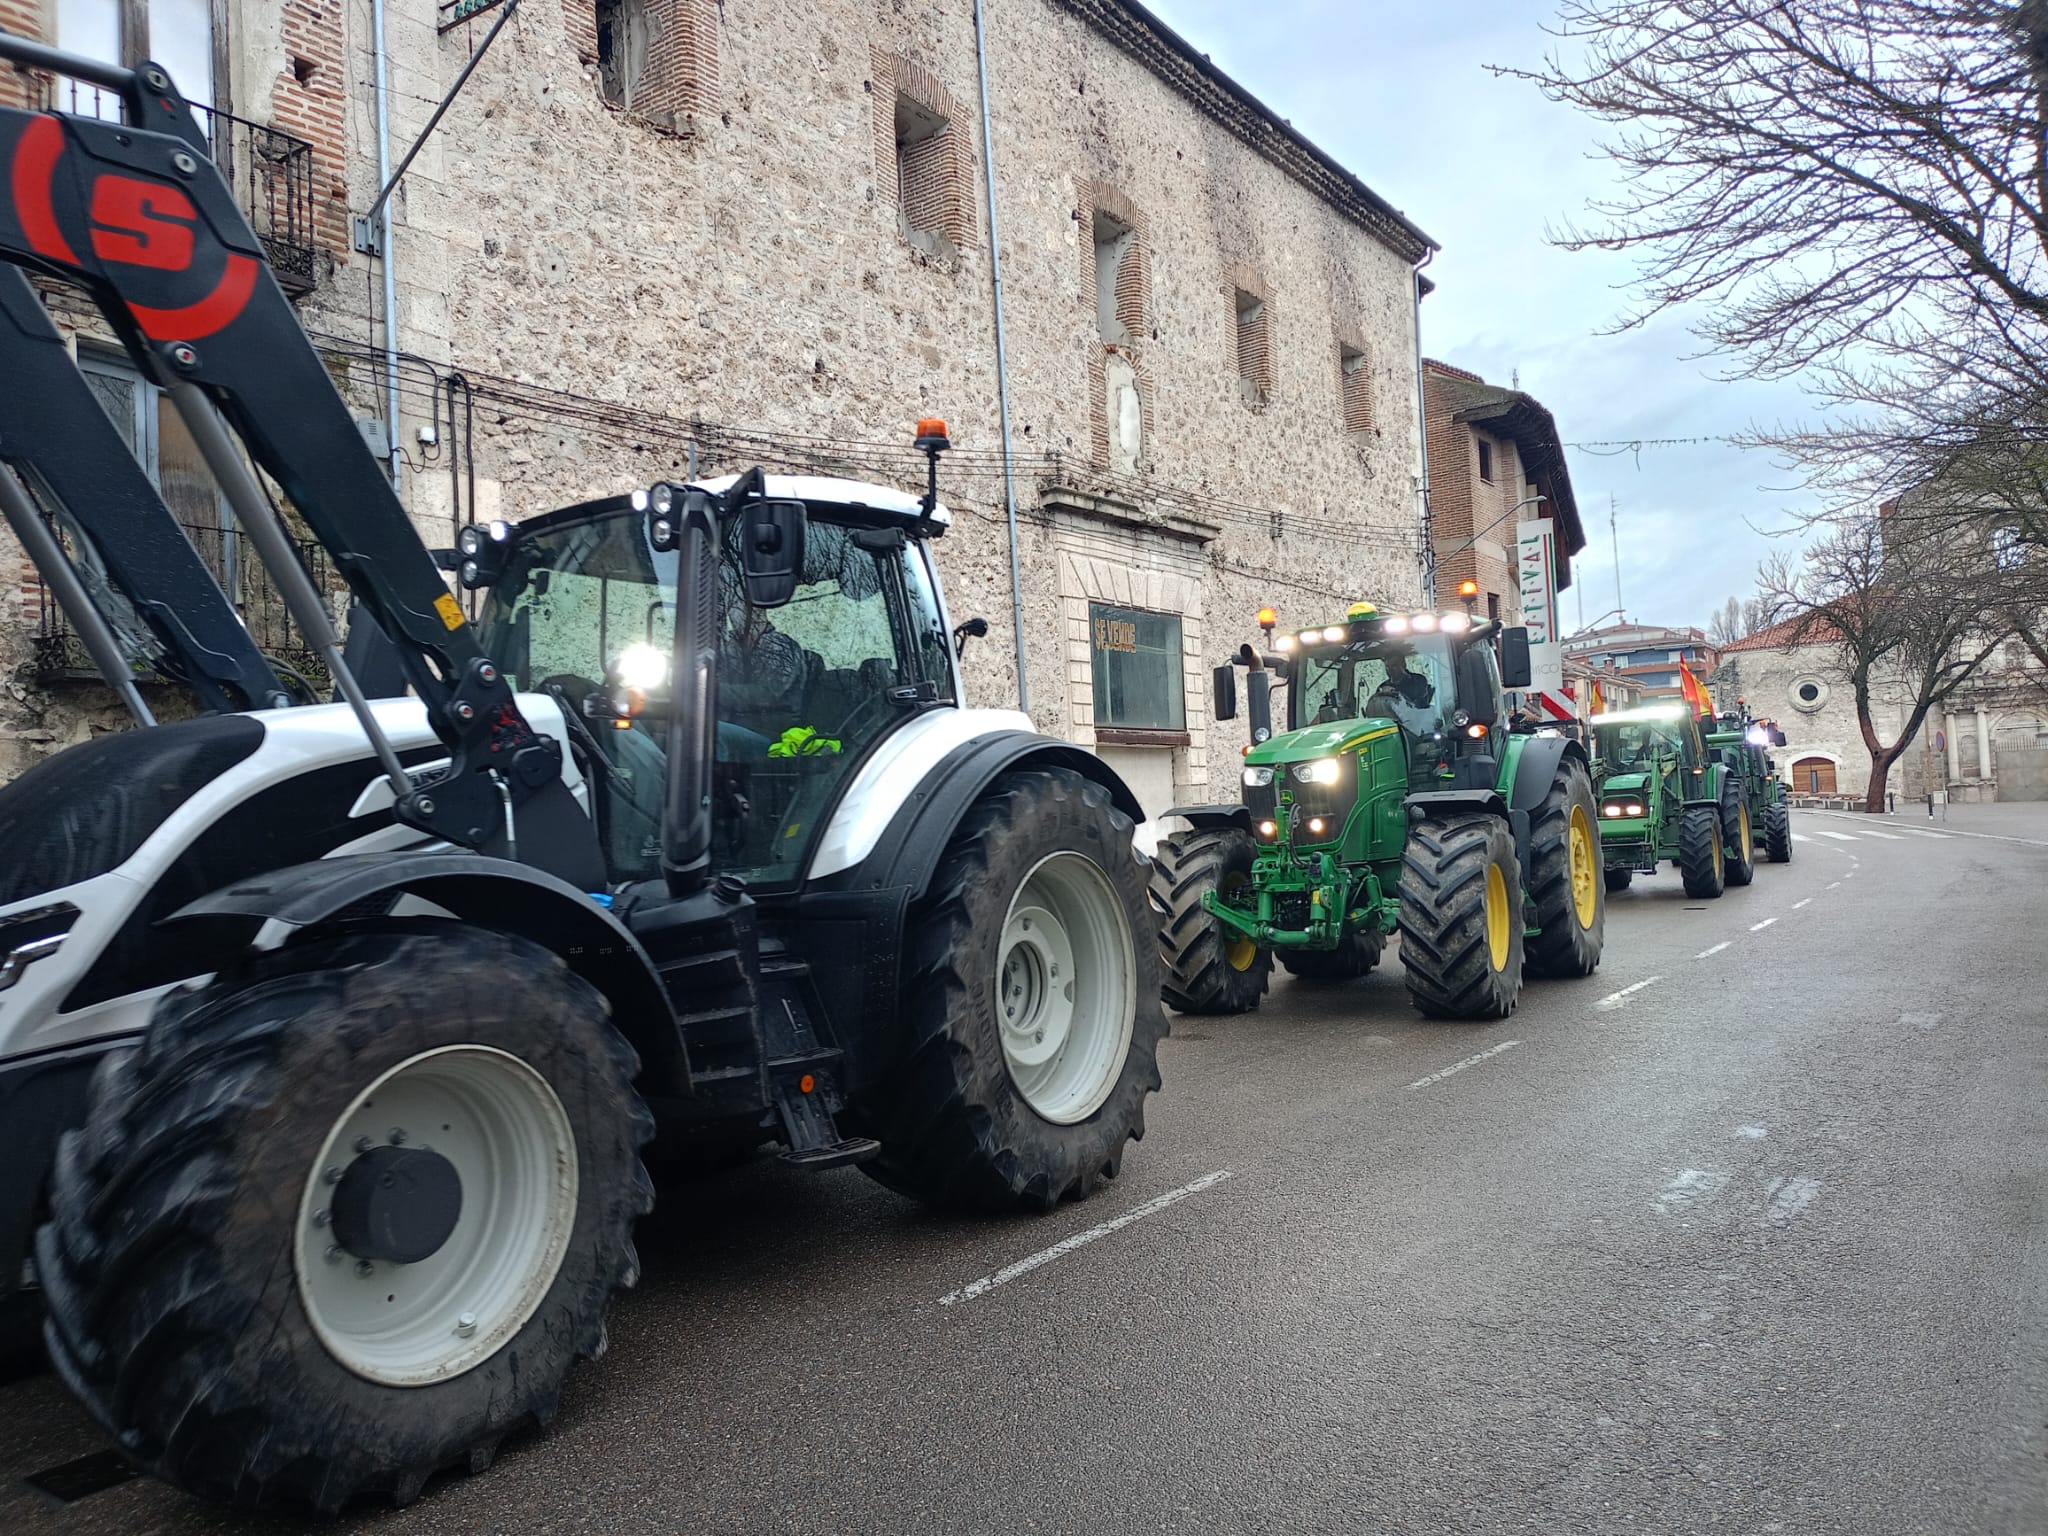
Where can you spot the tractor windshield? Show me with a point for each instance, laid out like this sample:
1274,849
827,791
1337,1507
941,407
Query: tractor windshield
803,689
1408,680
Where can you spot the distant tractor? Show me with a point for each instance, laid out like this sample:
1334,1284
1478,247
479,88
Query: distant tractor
1665,795
1395,801
1742,742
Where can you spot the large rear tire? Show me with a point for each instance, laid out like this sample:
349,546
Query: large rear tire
1700,859
1208,968
1461,917
1565,877
1355,955
1738,837
1778,833
1030,1010
226,1295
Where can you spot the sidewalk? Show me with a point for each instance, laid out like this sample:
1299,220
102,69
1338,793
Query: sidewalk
2007,818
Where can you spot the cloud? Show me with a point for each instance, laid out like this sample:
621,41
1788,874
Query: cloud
1401,96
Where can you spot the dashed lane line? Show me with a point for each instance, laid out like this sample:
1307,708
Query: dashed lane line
1616,999
1995,837
1760,927
1801,837
1840,837
1715,950
1890,837
1834,885
1458,1066
1798,904
1044,1256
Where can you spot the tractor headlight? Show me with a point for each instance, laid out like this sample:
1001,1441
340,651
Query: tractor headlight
1324,770
1634,809
661,498
1269,829
641,666
1257,778
1610,809
1333,633
470,541
1316,825
1396,626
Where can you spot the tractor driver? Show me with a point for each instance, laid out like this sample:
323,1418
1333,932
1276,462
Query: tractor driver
1406,695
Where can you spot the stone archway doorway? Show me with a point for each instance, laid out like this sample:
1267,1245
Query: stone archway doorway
1813,776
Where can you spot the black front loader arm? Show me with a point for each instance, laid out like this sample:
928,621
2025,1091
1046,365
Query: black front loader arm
141,219
53,429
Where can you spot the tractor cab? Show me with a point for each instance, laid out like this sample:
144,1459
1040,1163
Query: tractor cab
1641,755
582,604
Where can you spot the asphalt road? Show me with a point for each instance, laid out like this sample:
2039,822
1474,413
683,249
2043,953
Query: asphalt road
1759,1245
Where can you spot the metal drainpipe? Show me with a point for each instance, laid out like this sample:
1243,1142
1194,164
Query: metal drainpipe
386,243
995,267
1422,439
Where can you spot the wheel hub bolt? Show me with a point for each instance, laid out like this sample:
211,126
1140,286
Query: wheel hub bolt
332,1176
321,1218
465,1325
333,1254
397,1137
363,1143
364,1269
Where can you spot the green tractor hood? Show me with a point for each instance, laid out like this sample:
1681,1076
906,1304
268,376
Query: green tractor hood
1313,741
1622,783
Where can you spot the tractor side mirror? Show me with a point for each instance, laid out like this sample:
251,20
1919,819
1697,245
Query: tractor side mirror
1515,666
1778,738
771,550
1475,688
1224,681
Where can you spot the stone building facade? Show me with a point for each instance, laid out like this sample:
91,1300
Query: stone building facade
1988,741
656,234
1493,453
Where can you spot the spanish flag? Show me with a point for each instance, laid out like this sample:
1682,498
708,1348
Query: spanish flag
1695,693
1599,704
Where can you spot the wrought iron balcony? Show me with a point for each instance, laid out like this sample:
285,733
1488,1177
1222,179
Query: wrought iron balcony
269,170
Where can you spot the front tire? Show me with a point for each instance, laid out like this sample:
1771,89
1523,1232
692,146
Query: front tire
1031,1006
1617,879
1737,835
224,1156
1778,833
1461,917
1700,859
1565,877
1208,968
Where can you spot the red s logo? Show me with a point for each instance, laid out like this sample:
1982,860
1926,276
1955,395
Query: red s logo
142,223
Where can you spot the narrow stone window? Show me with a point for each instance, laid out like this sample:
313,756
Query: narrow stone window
1254,355
924,185
1115,286
622,34
1354,380
1485,460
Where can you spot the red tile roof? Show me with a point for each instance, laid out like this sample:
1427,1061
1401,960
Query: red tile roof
1804,629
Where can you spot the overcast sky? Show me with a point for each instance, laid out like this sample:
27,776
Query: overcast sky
1400,95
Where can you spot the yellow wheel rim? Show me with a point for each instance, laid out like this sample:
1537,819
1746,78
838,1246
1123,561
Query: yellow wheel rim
1719,858
1748,847
1238,950
1585,869
1497,933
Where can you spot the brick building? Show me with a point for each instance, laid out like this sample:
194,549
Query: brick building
1492,453
1646,656
656,233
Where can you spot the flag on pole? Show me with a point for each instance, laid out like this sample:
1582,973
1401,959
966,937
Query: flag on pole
1599,704
1695,695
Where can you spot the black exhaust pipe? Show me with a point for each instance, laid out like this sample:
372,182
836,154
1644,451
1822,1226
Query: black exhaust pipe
693,727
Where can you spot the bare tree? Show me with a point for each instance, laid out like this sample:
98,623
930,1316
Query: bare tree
1737,619
1911,617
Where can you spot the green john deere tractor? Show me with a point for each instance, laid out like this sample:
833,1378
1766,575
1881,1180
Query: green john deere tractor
1743,743
1397,800
1664,794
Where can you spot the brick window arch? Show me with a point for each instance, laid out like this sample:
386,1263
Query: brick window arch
924,154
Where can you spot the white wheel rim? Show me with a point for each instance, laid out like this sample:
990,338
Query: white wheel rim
1066,988
505,1131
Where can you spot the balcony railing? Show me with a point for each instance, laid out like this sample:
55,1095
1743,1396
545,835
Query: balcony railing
270,172
61,656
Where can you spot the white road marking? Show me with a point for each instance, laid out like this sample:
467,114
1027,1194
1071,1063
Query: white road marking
1801,837
1024,1266
1686,1186
1789,1197
1798,904
1948,831
1922,1020
1848,874
1840,837
1715,950
1458,1066
1760,927
1616,999
1890,837
1750,1132
1834,885
1918,832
